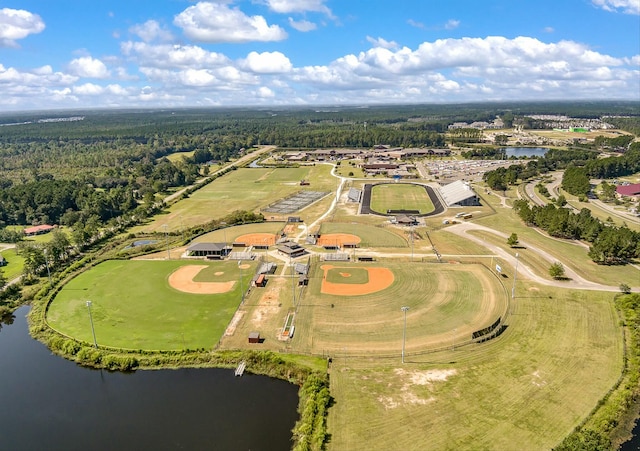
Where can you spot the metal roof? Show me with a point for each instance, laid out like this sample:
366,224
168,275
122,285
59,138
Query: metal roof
456,192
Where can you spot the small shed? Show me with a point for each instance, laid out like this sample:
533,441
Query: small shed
254,337
261,281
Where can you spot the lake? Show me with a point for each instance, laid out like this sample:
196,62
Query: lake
51,403
528,152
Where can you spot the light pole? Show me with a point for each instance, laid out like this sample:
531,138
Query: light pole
46,262
224,233
93,331
515,276
166,237
404,329
241,290
293,280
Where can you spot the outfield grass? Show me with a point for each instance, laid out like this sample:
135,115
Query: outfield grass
400,196
242,189
441,298
526,390
371,236
134,307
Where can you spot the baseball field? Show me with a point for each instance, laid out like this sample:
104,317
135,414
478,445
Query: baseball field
151,304
357,306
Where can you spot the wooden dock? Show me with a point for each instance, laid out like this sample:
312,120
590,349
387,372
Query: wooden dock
240,369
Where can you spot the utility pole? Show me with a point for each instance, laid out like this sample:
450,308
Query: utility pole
166,236
404,329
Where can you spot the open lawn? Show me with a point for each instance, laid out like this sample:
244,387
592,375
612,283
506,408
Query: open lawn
242,189
526,390
133,305
441,297
14,266
370,236
400,196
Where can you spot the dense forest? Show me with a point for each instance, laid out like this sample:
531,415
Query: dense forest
91,167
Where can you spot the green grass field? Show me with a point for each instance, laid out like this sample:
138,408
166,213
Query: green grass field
370,235
134,307
441,298
400,196
526,390
242,189
15,264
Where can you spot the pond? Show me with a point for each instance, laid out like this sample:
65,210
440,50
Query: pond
51,403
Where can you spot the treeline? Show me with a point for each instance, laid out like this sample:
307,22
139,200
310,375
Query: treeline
554,159
610,245
610,167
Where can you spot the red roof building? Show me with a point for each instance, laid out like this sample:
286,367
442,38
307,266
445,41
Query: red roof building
38,230
628,190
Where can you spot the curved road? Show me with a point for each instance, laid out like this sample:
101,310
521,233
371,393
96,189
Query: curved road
577,281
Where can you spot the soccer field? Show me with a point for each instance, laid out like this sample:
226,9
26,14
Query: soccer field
400,196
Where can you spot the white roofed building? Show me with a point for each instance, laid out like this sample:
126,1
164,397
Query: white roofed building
459,193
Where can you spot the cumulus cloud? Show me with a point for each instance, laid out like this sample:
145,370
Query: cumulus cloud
380,42
88,67
625,6
452,24
472,68
216,22
17,24
265,92
176,56
302,25
267,63
151,30
298,6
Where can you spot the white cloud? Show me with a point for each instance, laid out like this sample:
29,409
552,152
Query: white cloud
151,30
302,25
265,93
88,89
625,6
452,24
298,6
473,68
215,22
416,24
88,67
380,42
176,56
17,24
267,63
549,29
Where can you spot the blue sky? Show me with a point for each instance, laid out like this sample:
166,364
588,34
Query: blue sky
180,53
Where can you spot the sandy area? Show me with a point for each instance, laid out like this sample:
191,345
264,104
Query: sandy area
333,239
257,239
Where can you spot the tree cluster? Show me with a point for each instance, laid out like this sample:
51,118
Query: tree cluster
610,245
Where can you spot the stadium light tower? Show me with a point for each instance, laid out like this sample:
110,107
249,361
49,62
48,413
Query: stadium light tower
515,276
404,329
93,331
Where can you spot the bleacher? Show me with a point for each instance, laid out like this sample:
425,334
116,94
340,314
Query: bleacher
336,257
